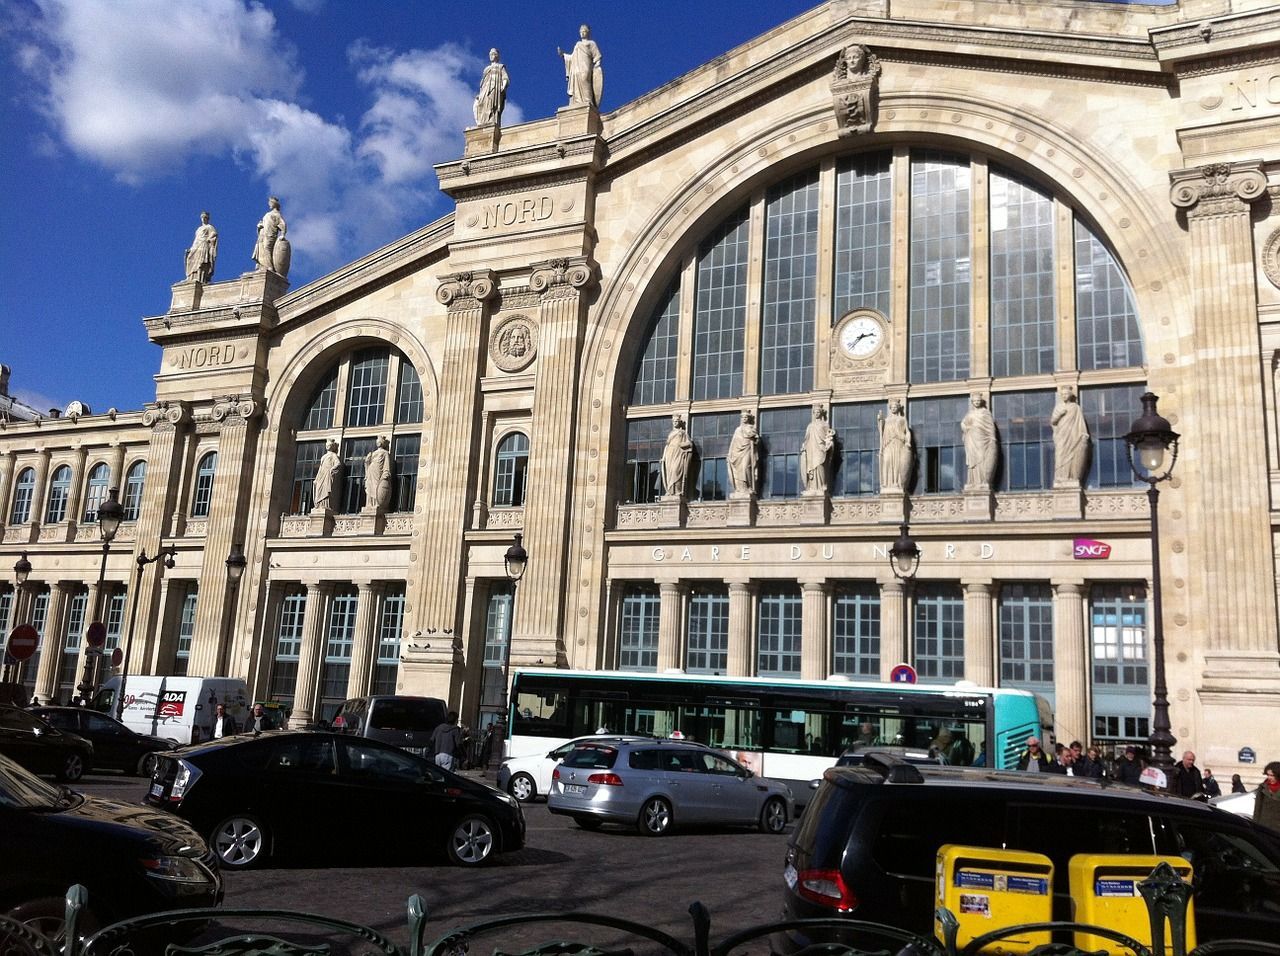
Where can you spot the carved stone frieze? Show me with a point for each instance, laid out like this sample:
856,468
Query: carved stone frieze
1012,507
854,83
555,274
505,518
295,527
17,534
466,289
855,510
398,524
708,514
166,413
1116,504
1218,189
88,532
636,516
197,528
936,507
775,514
514,343
127,532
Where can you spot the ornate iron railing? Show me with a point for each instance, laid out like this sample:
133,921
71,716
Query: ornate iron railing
203,931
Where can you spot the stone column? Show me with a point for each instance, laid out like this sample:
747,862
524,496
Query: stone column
164,452
314,621
75,495
670,625
116,463
540,622
367,604
6,485
893,634
815,654
741,634
1234,593
227,516
37,494
51,641
1070,663
453,453
979,634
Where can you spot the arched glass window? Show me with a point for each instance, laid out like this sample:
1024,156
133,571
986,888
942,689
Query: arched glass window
511,471
23,489
202,497
353,403
134,480
95,492
59,490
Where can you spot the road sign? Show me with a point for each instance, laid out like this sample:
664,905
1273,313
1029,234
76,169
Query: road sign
96,635
903,674
23,641
117,657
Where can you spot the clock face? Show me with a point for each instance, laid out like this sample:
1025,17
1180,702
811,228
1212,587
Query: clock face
862,337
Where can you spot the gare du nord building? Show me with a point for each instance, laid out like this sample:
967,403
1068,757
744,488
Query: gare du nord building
1013,201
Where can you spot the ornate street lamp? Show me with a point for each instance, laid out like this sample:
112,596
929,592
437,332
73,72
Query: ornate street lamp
21,571
235,571
514,562
1150,438
142,560
110,514
904,561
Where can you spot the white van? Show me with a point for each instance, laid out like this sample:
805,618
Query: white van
175,708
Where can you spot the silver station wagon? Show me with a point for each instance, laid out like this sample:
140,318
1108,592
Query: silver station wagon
657,784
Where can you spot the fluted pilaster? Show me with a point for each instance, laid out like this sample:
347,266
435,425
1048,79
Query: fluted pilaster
1070,663
979,636
314,621
158,495
893,633
741,646
368,596
55,627
42,482
815,652
670,625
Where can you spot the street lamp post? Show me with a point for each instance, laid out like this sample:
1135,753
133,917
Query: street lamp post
142,561
904,561
21,571
110,514
514,562
1150,438
235,571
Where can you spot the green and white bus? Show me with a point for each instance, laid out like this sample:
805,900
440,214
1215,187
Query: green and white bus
787,729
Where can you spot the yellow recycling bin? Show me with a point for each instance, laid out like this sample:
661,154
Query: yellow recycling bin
1104,889
988,889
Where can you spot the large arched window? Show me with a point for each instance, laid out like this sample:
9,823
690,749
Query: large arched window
59,490
202,497
511,471
368,393
23,489
134,480
95,492
1002,280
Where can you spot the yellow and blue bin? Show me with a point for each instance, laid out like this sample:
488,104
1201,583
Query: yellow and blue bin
1104,891
989,889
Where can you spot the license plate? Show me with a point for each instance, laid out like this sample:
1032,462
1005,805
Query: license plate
574,788
157,790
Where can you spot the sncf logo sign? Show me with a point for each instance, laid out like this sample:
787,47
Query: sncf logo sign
1086,549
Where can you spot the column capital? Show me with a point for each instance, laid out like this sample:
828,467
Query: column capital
739,587
580,272
671,587
1068,588
171,414
815,584
234,410
1218,189
463,290
978,587
895,586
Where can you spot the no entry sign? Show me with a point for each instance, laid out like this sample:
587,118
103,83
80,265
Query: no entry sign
96,635
23,641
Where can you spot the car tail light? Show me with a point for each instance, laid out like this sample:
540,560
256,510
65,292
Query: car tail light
184,780
607,779
555,774
826,888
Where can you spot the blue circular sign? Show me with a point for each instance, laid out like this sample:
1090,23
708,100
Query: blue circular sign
903,674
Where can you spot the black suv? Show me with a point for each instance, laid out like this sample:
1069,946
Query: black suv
867,844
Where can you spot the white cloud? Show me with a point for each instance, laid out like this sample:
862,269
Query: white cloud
140,86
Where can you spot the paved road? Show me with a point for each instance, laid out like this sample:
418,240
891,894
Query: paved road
735,874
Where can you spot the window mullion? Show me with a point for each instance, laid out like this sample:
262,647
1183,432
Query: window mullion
755,295
1064,257
340,396
980,265
684,336
825,304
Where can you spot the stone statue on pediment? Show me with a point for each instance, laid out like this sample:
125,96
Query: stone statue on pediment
271,252
981,445
854,81
325,484
377,477
203,252
896,448
815,450
1070,439
582,70
675,460
492,98
744,457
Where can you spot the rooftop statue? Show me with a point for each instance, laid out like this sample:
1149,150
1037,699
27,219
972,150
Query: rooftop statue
271,252
582,69
492,97
203,252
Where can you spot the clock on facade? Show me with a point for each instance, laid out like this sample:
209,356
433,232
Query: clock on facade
862,336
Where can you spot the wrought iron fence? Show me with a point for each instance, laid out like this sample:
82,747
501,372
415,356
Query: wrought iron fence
284,933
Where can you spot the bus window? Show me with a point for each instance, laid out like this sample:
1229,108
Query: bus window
542,714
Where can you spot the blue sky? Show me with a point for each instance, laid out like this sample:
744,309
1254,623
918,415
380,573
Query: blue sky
123,119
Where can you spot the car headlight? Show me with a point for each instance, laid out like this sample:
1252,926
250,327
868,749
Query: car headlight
175,869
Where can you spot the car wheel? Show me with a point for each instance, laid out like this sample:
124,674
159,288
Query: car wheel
240,841
655,817
146,765
471,841
47,916
522,787
773,817
72,768
588,823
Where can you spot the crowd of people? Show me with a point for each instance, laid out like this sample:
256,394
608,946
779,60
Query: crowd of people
1184,780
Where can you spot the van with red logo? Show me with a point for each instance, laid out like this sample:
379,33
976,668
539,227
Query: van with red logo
175,708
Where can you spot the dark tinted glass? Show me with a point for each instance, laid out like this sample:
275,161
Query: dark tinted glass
910,831
426,714
591,758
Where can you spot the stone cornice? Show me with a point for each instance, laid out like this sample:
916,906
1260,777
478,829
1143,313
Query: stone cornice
1218,189
580,154
1217,36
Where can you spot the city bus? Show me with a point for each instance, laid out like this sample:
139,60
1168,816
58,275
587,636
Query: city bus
787,729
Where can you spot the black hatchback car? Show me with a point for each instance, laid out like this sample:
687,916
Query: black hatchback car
867,845
115,746
42,748
327,795
131,859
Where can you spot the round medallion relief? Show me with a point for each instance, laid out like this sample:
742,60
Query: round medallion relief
514,343
1271,258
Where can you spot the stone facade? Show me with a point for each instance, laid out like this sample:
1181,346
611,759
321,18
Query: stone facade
874,202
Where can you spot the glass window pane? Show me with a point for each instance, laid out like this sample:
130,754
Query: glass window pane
720,312
638,629
864,233
655,381
856,631
367,388
790,286
708,647
1107,331
1023,321
940,273
938,635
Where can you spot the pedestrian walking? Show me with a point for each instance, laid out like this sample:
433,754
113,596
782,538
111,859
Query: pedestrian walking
1033,758
1090,765
258,721
1237,785
1211,786
224,725
446,741
1185,779
1266,804
1129,767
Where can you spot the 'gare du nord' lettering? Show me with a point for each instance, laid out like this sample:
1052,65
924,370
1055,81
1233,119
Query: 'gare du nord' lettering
204,356
518,211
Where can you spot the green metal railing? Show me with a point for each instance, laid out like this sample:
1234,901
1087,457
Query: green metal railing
284,933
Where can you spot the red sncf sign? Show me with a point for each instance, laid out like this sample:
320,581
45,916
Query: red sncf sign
1086,549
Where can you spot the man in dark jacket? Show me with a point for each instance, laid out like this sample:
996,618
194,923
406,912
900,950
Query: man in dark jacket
1090,765
446,741
1129,767
1033,758
1185,778
1211,787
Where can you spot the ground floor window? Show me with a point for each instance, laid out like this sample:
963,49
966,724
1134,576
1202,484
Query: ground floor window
284,666
638,621
336,672
779,618
855,637
1026,637
115,618
497,632
39,618
186,631
708,647
939,633
67,672
386,669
